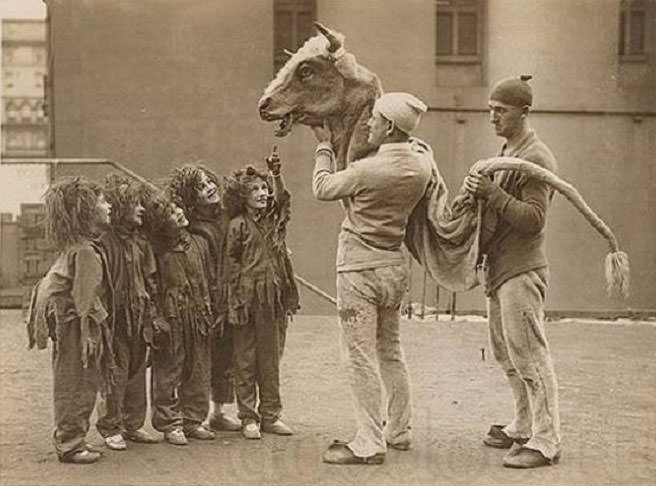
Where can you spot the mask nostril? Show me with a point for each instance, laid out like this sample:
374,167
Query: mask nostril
264,102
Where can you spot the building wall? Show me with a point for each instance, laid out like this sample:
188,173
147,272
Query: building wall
24,122
8,251
177,84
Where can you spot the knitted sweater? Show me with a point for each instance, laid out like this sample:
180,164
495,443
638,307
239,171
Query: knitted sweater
379,193
517,210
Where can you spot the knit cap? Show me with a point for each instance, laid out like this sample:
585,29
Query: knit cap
513,91
403,109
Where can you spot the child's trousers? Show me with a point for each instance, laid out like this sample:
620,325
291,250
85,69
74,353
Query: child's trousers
124,409
223,390
181,372
74,390
257,353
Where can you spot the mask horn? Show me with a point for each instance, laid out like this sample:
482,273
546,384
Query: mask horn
335,43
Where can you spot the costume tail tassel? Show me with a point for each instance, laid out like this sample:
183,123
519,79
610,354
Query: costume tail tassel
617,262
617,274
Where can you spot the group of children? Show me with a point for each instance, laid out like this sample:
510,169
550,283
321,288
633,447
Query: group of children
194,280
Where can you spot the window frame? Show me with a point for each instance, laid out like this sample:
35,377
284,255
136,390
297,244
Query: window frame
624,32
455,7
294,7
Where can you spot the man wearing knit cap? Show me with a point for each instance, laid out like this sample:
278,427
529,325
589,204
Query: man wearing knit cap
516,283
378,194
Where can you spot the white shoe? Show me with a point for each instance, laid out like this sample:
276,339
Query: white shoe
116,442
251,431
176,437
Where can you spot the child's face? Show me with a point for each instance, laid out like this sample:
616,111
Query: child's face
177,216
103,209
137,213
207,190
258,194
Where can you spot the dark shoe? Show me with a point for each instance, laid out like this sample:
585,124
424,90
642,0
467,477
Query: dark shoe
140,435
176,437
81,457
526,458
498,439
92,448
251,430
404,445
200,433
340,453
223,422
278,427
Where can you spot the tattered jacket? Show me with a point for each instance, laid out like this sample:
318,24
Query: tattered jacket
75,288
130,261
183,286
260,270
214,230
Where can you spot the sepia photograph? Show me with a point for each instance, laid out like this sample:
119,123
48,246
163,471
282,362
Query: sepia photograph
328,242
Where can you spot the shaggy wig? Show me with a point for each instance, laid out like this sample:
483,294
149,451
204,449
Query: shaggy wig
238,189
71,211
157,225
124,195
184,184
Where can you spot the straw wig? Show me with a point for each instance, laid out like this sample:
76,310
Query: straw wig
124,195
237,189
71,211
184,184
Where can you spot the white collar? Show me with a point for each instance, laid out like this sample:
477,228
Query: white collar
387,147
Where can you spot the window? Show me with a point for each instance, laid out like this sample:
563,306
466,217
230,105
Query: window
459,28
9,79
632,30
292,26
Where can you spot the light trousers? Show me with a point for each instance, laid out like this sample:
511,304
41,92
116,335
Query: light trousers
368,303
519,344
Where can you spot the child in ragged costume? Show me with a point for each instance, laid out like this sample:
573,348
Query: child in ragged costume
122,411
199,191
70,305
262,293
180,339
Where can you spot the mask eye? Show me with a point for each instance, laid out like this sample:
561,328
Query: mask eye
306,71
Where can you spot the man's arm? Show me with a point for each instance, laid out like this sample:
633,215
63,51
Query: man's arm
527,215
328,185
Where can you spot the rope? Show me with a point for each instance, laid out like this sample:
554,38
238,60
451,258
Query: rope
315,289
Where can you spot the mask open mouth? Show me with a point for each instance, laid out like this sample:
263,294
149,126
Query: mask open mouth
285,125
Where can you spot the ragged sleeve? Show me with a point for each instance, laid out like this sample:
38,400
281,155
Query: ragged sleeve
234,253
87,281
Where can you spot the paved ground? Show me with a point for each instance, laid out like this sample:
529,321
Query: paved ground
607,378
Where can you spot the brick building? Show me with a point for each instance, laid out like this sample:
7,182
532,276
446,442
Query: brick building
24,75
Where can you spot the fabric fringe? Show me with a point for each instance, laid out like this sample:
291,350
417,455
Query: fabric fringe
617,272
